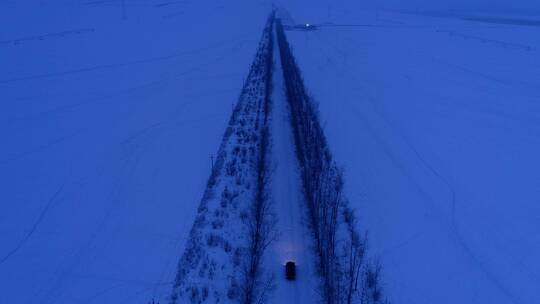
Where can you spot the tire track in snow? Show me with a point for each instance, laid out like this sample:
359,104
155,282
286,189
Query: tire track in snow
33,228
123,64
114,198
40,148
17,41
455,228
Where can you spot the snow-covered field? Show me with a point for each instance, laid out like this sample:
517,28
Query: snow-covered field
436,122
109,116
106,136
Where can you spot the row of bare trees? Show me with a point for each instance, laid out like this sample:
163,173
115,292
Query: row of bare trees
347,276
261,220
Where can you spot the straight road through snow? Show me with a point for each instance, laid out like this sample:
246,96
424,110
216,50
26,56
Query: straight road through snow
293,243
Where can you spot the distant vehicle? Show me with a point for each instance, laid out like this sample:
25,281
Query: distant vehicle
290,271
301,27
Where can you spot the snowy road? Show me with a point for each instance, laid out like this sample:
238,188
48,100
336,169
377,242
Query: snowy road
294,241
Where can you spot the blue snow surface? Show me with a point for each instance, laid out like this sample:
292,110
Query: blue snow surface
111,111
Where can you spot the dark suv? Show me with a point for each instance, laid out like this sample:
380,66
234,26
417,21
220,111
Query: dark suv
290,271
